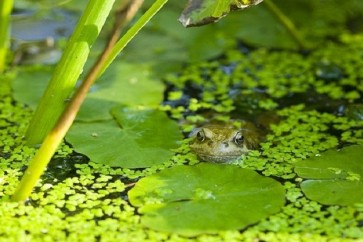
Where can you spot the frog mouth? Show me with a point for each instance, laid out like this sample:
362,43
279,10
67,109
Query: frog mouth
225,158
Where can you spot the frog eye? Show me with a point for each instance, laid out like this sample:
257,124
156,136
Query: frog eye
238,138
201,135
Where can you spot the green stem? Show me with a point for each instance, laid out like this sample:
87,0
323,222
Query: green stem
56,135
5,13
129,35
286,22
67,71
86,31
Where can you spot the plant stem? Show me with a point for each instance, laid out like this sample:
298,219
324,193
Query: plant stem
77,51
56,135
122,16
129,35
68,69
286,22
5,13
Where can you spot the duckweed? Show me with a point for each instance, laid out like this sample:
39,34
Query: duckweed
91,203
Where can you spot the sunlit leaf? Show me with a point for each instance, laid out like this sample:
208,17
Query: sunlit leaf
205,198
136,138
200,12
334,177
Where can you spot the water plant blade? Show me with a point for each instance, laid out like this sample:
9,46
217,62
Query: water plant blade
67,71
134,139
5,12
93,17
201,12
334,177
205,198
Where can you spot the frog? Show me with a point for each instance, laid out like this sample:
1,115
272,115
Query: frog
224,142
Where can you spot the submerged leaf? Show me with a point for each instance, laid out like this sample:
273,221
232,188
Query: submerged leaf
138,138
200,12
334,177
205,198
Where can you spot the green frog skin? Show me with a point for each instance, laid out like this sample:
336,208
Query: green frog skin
223,143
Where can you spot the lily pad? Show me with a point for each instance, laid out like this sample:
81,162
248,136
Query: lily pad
205,198
200,12
334,177
34,79
134,139
121,84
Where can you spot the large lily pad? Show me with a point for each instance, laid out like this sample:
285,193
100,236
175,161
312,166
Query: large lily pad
205,198
135,139
334,177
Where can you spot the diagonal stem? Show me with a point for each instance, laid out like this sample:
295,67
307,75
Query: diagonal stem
56,135
286,22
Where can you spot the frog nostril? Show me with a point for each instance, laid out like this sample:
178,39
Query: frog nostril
225,144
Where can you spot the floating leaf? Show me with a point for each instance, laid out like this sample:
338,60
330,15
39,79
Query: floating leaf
124,84
334,177
200,12
34,79
138,138
205,198
96,109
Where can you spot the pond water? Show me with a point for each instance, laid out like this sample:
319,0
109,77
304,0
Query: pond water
317,95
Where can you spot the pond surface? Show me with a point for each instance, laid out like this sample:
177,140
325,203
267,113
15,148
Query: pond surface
316,94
